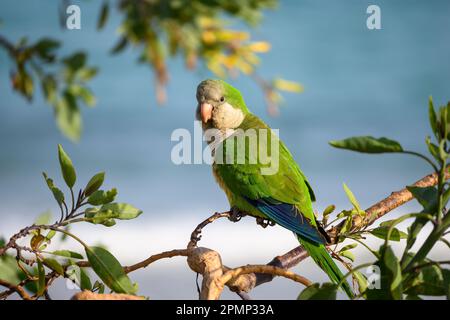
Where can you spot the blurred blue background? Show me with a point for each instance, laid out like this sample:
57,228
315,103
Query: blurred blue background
357,82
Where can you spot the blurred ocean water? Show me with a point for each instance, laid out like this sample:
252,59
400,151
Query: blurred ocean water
357,82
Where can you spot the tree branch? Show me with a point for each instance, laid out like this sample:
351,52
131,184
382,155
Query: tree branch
216,286
378,210
89,295
298,254
156,257
13,288
243,279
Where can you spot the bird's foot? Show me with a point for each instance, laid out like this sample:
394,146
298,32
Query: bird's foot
235,215
264,222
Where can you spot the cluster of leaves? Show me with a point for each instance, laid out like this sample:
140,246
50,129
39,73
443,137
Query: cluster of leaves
412,274
63,80
37,274
196,30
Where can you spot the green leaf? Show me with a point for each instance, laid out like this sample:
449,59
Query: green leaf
79,276
442,153
108,222
352,199
426,196
95,216
108,212
328,210
87,73
43,218
104,13
54,265
75,61
57,193
23,83
68,117
67,169
433,149
347,225
412,297
448,119
47,44
67,254
432,116
109,270
9,271
49,88
381,232
347,254
394,273
44,48
431,281
368,144
346,213
41,279
100,287
84,93
349,247
361,280
120,45
327,291
413,231
121,211
102,197
94,184
85,281
388,223
443,122
50,235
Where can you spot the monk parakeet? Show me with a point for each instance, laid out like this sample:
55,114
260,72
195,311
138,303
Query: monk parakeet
283,196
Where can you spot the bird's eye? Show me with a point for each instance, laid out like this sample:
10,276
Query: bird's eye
222,99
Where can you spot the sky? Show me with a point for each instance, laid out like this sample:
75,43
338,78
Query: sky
357,82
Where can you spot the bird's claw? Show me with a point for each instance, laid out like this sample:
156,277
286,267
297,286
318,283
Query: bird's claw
264,222
235,215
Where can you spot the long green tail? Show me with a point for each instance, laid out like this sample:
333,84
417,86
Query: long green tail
323,259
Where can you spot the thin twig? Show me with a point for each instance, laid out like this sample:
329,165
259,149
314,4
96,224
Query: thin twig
15,288
196,234
156,257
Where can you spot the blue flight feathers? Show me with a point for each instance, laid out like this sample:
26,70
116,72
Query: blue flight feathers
287,216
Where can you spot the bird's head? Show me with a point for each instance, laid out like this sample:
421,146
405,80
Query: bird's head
220,105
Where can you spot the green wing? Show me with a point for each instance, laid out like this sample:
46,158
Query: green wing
284,196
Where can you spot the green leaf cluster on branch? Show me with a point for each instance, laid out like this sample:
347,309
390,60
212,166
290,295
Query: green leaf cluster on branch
412,274
196,30
31,278
63,80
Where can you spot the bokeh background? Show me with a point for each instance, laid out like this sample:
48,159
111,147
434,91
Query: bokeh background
357,82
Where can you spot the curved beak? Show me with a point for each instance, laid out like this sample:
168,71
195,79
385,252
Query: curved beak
205,111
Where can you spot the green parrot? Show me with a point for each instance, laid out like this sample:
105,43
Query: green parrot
284,196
